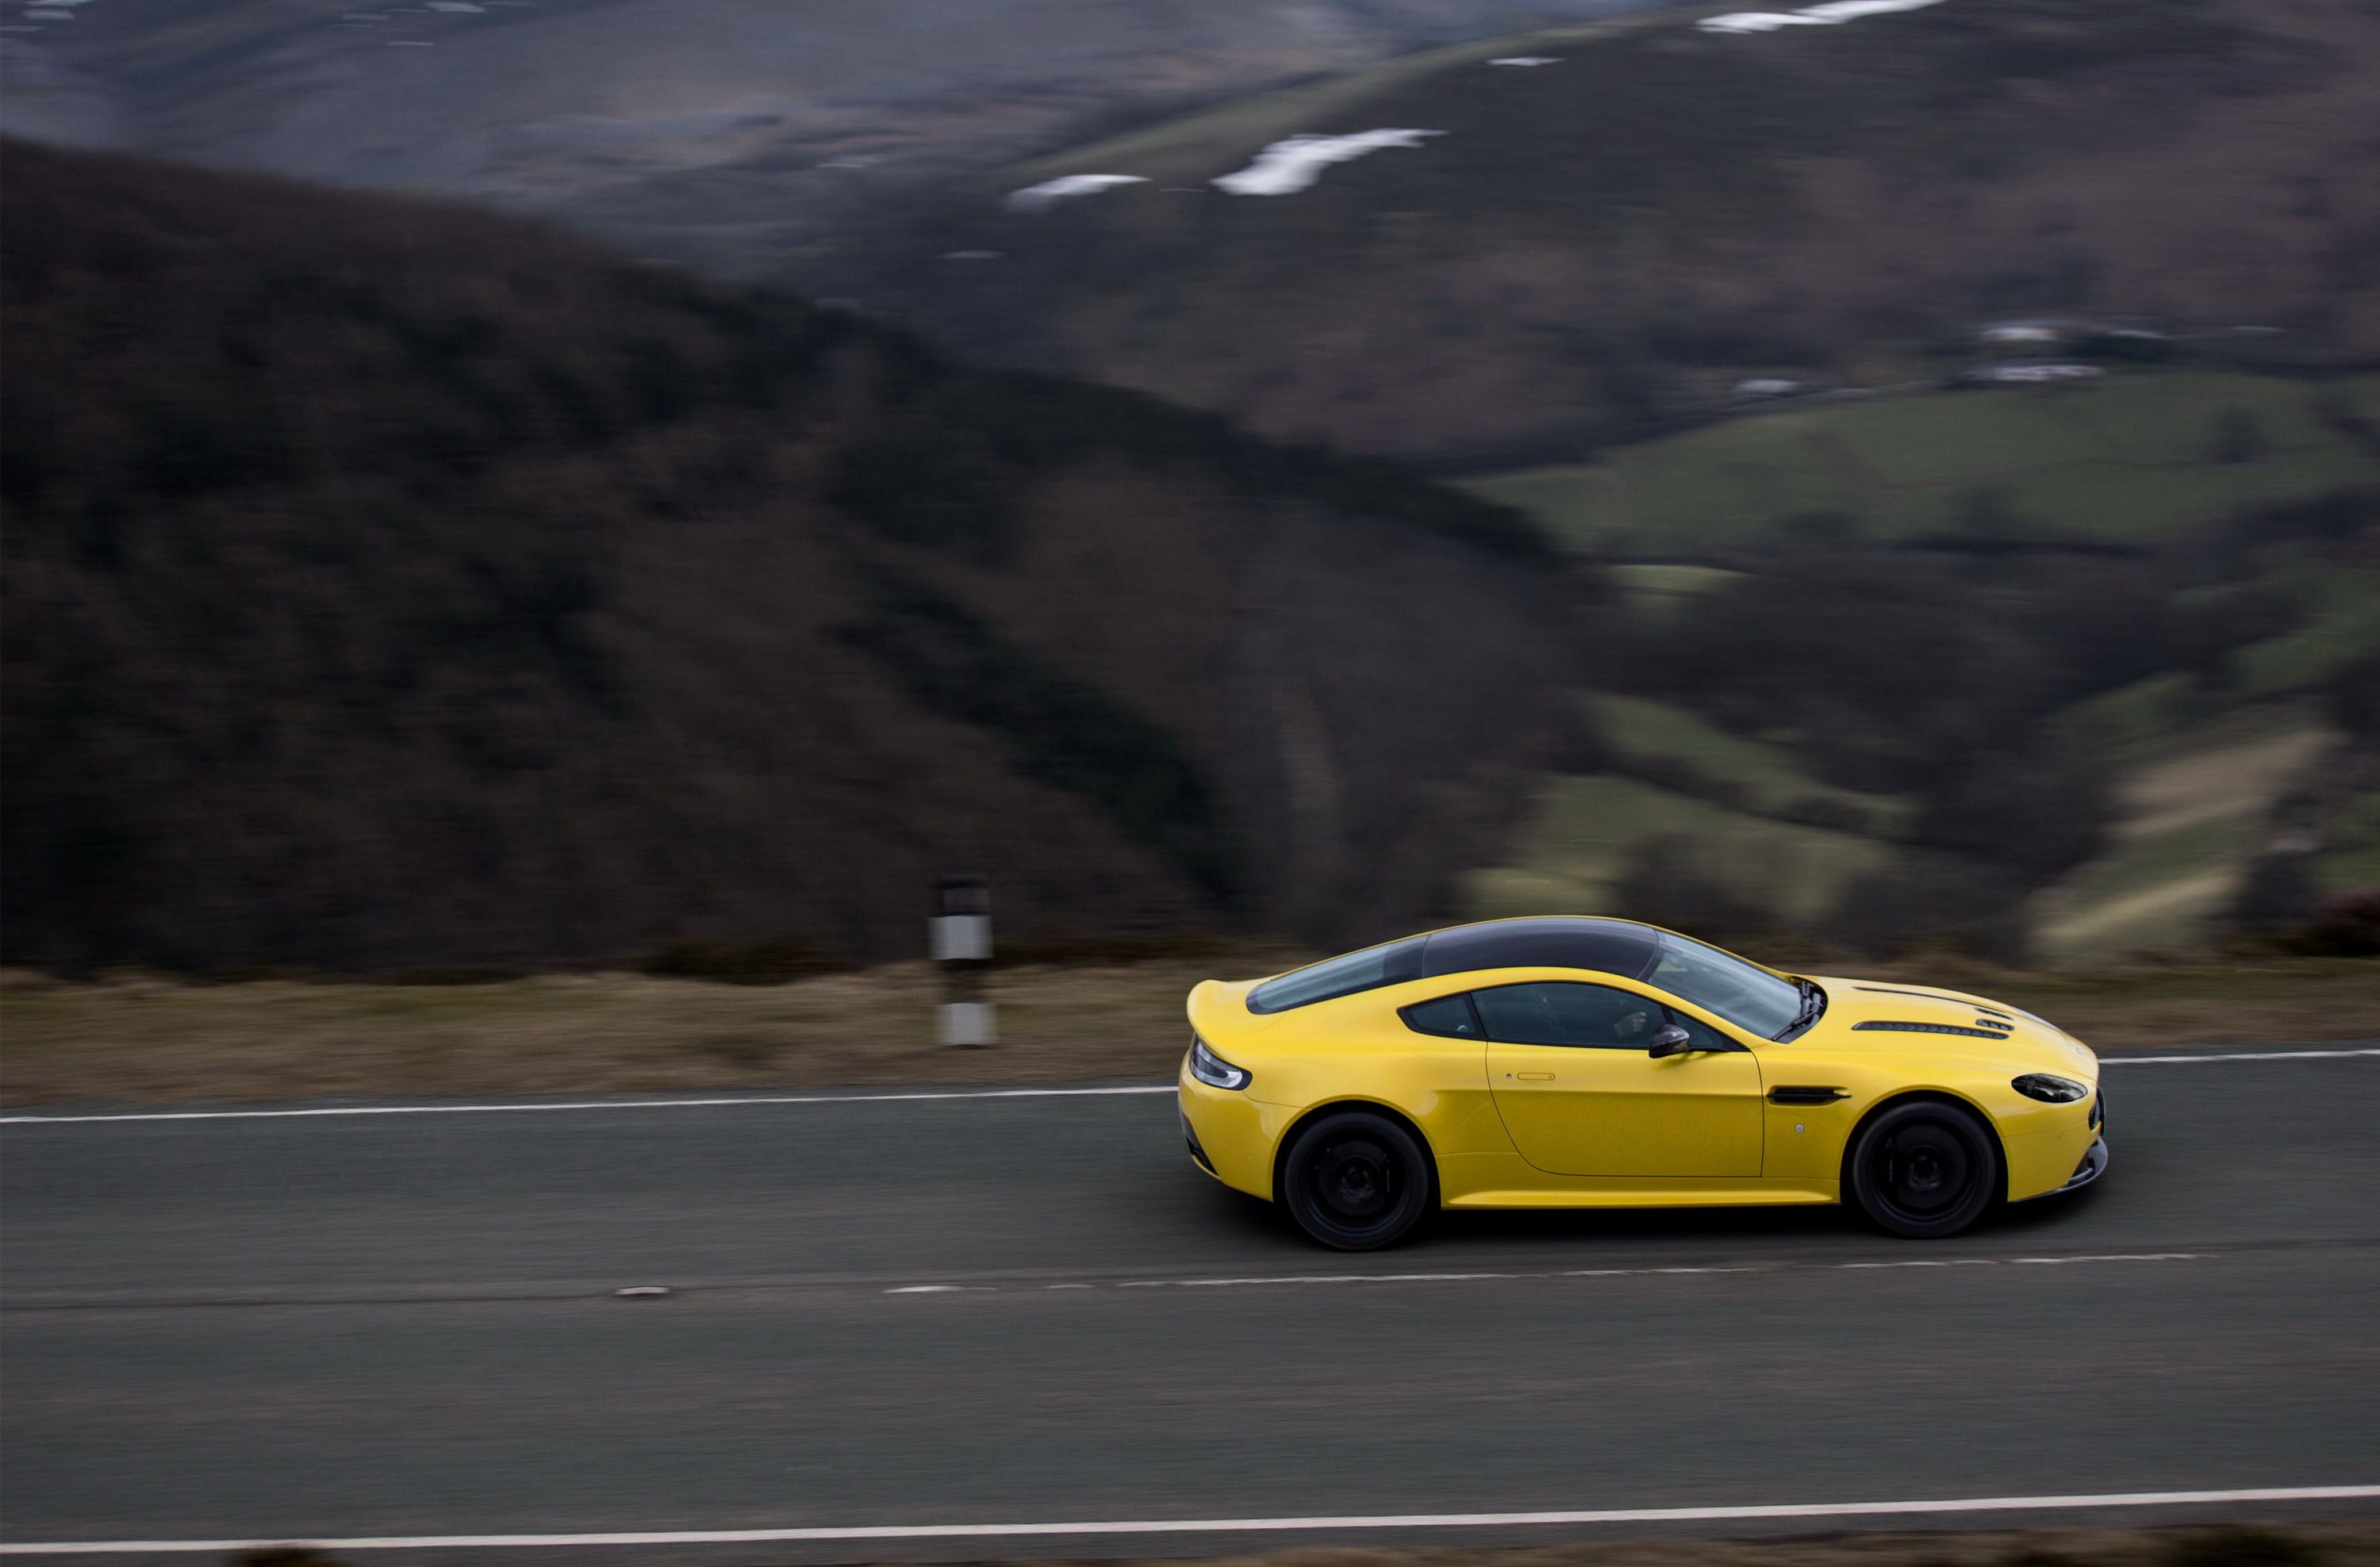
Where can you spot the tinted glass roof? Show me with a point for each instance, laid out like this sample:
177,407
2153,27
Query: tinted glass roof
1610,946
1607,946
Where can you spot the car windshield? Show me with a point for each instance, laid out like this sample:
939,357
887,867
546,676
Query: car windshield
1745,994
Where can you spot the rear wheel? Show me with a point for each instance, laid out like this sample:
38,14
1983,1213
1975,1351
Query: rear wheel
1355,1180
1924,1170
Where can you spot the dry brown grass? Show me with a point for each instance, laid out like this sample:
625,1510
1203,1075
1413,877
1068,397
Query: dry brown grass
2336,1544
145,1040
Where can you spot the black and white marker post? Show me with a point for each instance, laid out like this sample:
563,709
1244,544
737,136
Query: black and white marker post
959,935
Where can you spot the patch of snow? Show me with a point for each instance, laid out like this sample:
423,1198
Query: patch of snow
2022,332
455,5
1049,192
2035,372
1526,60
410,43
49,16
1292,166
972,255
1832,14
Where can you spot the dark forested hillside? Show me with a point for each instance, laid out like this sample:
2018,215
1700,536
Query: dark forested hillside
391,585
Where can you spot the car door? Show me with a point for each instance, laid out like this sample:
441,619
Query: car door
1569,1065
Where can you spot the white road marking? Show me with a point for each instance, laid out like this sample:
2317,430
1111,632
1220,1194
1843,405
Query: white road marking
728,1103
2108,1257
2242,1055
1320,1278
1782,1267
1928,1262
1234,1526
583,1104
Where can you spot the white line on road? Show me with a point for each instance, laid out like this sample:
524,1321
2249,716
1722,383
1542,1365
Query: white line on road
2241,1055
1571,1273
1320,1279
1234,1526
729,1103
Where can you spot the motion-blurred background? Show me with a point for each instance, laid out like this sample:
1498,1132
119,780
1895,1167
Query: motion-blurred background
524,485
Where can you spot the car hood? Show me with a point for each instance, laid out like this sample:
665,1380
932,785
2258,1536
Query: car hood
2031,1042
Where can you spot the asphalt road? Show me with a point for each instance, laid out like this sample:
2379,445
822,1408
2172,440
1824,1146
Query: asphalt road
405,1325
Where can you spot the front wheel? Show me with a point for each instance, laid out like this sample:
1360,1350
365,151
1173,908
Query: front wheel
1357,1181
1924,1170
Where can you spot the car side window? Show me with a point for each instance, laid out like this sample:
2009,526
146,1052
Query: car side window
1561,1013
1449,1016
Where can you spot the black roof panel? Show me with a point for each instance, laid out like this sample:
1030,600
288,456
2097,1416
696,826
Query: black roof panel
1607,946
1610,946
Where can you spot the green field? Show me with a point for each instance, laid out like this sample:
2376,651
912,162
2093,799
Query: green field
2342,626
2351,859
1199,144
1658,587
1580,834
1763,776
2195,807
2130,456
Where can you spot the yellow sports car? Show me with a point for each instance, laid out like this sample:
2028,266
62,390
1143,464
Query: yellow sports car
1577,1062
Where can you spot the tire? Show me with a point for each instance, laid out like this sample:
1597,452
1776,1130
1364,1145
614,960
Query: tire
1357,1180
1924,1170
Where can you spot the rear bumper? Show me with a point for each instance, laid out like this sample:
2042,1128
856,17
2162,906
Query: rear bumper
1229,1134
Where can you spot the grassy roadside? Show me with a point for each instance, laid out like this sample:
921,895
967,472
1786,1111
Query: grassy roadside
149,1040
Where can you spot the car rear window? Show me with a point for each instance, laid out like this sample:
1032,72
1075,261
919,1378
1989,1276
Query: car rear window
1343,975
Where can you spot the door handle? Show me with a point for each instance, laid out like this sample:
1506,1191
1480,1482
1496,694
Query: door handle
1533,1077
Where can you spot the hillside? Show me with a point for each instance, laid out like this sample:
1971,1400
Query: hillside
1605,244
392,586
2071,671
725,134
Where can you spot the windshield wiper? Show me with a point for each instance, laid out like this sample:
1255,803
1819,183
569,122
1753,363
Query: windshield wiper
1814,1003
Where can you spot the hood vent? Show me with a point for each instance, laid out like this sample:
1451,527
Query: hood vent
1930,996
1897,1028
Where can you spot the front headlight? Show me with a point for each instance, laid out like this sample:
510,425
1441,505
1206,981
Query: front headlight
2049,1089
1212,1069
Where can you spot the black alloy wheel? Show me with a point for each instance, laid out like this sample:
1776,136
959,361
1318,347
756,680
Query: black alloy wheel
1924,1170
1357,1180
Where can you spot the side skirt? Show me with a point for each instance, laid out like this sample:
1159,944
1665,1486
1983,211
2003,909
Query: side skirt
1745,1196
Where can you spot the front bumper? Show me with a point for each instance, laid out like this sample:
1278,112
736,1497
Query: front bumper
2094,1165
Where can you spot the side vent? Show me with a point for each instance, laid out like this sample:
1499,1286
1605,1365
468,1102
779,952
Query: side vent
1807,1096
1881,1026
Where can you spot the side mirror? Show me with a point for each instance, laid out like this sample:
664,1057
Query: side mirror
1669,1039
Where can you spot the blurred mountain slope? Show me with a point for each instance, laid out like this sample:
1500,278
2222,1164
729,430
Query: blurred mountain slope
724,133
1604,246
390,585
